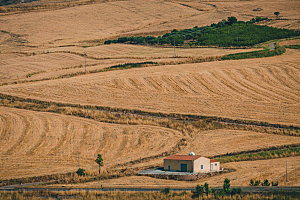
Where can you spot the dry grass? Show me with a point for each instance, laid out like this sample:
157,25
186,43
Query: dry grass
36,143
92,195
56,139
136,17
273,170
51,63
265,89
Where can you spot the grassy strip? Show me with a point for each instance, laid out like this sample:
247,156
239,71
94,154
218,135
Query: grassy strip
181,122
262,155
296,46
33,73
254,54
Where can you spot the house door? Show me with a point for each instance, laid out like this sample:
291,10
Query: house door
211,167
169,168
183,167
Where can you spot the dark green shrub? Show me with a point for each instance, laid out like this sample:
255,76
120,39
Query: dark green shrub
251,182
235,191
80,172
166,191
199,190
265,183
275,183
226,186
257,183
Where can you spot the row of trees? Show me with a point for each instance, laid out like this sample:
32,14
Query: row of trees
230,32
262,183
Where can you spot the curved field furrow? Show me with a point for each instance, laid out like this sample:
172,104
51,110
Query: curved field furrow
284,80
188,83
264,75
66,137
24,137
265,88
206,82
233,86
248,89
243,77
44,124
293,74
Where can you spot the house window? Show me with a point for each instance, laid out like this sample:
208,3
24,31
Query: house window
201,166
216,164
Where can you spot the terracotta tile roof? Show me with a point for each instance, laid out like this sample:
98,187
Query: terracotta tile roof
182,157
213,160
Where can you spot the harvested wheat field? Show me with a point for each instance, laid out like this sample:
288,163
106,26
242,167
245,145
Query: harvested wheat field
47,143
265,89
86,23
115,51
273,170
49,64
22,67
37,143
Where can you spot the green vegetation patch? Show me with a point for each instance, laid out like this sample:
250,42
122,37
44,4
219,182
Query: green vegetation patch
130,65
226,33
254,54
262,155
9,2
296,46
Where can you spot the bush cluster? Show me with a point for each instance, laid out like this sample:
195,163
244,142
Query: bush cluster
225,33
266,154
254,54
201,189
262,183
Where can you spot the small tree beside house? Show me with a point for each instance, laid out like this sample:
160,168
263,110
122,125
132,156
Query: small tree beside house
99,161
277,14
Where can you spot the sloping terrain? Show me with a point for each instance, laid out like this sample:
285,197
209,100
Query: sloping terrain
36,143
265,89
273,170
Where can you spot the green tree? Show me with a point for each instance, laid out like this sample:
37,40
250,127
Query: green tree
206,187
251,182
80,172
257,182
277,14
166,191
231,20
265,183
99,161
199,190
226,186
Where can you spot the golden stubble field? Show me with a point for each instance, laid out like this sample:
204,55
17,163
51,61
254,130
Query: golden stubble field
273,170
36,143
265,89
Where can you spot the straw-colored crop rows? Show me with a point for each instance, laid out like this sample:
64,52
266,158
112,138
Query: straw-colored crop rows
266,89
45,143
